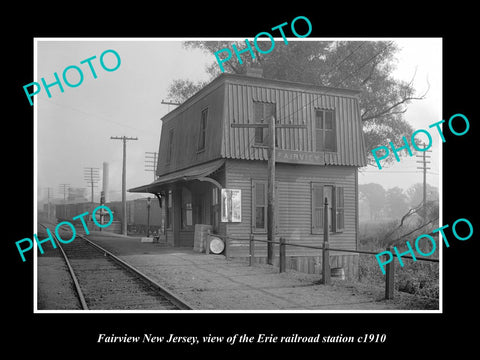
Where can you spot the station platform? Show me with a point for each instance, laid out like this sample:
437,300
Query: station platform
211,282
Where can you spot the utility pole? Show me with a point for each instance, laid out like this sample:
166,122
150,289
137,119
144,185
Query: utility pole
124,180
65,186
91,176
271,220
151,163
48,203
424,161
271,195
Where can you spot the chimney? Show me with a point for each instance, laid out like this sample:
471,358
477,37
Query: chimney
255,72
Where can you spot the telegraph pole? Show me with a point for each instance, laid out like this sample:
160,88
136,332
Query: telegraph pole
48,203
124,179
271,195
65,186
424,161
271,221
91,176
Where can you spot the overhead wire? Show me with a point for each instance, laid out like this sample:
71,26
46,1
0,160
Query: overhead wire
99,117
331,69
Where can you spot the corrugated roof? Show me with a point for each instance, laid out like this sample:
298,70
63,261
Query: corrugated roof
191,173
253,80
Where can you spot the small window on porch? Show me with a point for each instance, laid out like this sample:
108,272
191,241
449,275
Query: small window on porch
168,209
215,209
187,209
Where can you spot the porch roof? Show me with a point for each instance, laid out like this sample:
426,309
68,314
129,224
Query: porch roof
197,172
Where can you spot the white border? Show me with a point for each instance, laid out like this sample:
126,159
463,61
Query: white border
35,169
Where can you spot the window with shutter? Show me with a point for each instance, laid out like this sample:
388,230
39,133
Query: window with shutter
186,215
170,146
168,212
215,209
335,199
340,218
259,206
317,208
325,133
329,193
262,113
203,130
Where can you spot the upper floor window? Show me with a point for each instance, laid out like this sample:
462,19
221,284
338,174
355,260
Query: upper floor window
262,114
170,146
203,130
325,133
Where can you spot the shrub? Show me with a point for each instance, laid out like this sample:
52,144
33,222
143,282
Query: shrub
415,277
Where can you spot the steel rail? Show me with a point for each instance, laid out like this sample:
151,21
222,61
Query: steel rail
174,299
78,289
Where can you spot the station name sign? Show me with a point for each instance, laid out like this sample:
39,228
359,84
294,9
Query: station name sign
300,157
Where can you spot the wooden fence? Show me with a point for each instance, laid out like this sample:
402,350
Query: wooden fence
326,278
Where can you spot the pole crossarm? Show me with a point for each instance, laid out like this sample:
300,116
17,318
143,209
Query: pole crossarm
151,162
123,138
91,176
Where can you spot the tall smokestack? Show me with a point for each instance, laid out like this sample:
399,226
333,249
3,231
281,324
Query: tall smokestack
105,181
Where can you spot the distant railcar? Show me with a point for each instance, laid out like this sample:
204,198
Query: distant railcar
137,214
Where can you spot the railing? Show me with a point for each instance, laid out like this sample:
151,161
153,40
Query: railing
326,278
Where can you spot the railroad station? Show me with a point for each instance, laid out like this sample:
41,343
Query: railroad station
212,170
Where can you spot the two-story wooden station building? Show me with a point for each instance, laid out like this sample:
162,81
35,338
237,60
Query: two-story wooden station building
202,151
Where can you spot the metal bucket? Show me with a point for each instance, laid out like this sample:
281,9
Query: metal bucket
338,273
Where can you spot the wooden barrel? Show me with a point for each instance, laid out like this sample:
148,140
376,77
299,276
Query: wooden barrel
338,272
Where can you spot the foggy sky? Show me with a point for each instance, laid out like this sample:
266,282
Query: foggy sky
73,128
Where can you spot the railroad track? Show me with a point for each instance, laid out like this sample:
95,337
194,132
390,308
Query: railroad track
105,282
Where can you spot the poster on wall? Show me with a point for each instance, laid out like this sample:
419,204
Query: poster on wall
231,205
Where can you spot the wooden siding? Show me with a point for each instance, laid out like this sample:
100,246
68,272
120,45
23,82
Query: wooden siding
293,106
186,122
169,236
294,214
312,264
185,238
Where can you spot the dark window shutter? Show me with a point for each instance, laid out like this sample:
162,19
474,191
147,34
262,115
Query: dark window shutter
259,206
317,208
340,213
